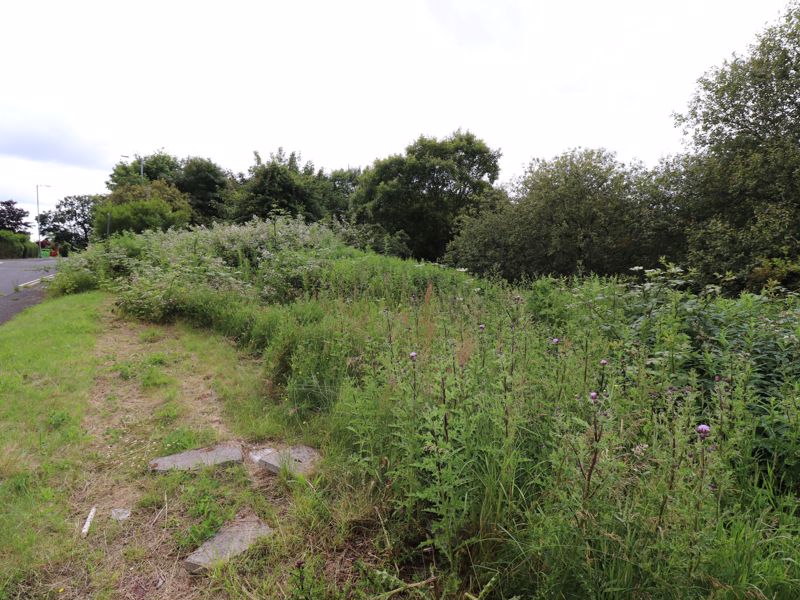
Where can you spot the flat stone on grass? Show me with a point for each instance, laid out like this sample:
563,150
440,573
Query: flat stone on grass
298,459
195,459
120,514
233,539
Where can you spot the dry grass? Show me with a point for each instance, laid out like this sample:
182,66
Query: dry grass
135,558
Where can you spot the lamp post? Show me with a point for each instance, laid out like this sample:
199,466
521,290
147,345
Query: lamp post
38,223
141,165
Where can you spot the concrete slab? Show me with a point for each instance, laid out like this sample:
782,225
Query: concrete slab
233,539
195,459
298,459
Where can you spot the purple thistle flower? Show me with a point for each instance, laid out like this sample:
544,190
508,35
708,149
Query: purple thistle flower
413,356
556,340
593,397
703,431
717,378
603,362
481,326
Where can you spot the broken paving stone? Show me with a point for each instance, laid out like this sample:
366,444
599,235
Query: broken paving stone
120,514
298,459
233,539
194,459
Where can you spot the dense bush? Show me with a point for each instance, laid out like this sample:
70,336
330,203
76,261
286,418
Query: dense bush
17,245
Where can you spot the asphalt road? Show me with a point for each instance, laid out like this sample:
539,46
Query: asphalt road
18,271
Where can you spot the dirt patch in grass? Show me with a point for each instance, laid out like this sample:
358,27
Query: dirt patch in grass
128,420
161,390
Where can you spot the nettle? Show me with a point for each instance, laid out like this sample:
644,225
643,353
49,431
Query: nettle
586,437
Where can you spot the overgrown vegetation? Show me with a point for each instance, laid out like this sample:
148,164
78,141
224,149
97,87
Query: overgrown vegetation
564,438
571,425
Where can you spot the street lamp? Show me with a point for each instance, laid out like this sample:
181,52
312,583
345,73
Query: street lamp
141,165
38,223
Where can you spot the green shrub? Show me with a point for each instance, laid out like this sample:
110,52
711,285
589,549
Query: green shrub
17,245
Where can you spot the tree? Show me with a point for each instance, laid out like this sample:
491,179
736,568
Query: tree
744,120
137,208
280,185
70,223
662,211
204,181
578,211
422,193
12,217
752,100
340,186
156,166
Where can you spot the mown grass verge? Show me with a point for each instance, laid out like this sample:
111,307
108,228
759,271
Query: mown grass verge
47,370
87,399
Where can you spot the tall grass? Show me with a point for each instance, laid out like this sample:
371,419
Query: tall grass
538,441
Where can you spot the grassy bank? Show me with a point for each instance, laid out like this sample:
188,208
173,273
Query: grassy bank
564,439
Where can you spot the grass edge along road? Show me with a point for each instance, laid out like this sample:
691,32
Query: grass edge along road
46,374
86,400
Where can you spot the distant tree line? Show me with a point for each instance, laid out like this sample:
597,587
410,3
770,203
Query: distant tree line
729,209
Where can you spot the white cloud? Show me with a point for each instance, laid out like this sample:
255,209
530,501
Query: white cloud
347,82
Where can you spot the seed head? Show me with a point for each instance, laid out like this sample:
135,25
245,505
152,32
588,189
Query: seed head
481,326
603,362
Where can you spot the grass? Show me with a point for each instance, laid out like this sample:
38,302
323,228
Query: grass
77,431
46,356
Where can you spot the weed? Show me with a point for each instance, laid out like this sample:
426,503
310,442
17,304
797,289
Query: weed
57,419
166,414
153,377
126,370
151,335
538,441
181,439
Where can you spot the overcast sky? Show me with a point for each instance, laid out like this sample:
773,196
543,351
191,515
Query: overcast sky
345,81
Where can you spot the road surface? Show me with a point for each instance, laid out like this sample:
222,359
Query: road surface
14,273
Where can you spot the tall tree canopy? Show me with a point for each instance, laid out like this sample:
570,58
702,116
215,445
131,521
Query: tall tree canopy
70,223
743,184
580,210
421,194
200,178
12,217
280,184
204,181
156,205
141,169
